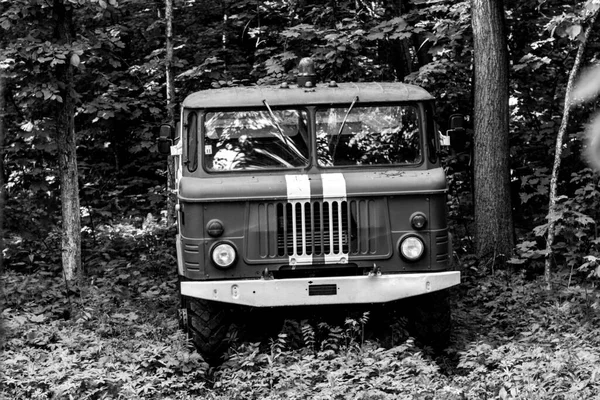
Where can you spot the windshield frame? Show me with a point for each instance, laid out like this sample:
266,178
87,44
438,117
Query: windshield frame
310,111
421,120
302,110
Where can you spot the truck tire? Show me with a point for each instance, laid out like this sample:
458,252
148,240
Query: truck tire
430,319
207,325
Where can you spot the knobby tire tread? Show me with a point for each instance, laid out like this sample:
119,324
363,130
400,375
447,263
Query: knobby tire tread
208,326
431,319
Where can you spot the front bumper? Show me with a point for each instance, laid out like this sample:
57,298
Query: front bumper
320,291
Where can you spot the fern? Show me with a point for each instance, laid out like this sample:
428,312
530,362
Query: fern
278,345
308,336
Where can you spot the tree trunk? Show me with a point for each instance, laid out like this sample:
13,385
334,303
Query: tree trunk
493,212
2,177
65,137
562,130
398,51
170,108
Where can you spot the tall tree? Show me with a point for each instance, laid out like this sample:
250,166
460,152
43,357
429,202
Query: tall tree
2,178
170,88
590,11
66,141
170,84
493,212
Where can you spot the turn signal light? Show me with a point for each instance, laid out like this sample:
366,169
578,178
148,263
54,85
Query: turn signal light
418,220
214,228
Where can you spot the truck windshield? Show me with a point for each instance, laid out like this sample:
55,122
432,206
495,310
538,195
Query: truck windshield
369,136
235,140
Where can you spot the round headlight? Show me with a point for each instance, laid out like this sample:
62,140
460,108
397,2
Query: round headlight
418,220
223,255
412,248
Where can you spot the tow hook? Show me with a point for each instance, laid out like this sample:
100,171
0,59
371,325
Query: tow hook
267,275
375,271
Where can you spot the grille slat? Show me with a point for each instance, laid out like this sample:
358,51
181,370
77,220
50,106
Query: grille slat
311,228
332,229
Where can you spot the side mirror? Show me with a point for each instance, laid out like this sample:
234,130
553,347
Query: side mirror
165,139
457,132
457,121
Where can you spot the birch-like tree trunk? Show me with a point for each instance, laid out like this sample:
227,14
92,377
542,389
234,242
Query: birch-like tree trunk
552,206
67,156
493,211
170,87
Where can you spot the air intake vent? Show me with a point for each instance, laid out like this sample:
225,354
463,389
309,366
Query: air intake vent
322,290
442,246
328,230
313,228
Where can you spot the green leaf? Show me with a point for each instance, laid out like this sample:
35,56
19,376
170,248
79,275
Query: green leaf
376,36
573,31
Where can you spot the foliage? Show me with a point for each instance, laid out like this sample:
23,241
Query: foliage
101,342
118,338
576,243
541,345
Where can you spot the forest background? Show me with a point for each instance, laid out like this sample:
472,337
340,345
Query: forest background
117,336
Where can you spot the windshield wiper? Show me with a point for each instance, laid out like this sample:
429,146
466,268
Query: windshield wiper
282,135
274,120
339,135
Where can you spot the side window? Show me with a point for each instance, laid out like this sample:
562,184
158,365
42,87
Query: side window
432,141
192,142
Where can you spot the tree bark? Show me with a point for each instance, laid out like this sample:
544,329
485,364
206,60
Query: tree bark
67,156
493,211
170,87
2,177
562,130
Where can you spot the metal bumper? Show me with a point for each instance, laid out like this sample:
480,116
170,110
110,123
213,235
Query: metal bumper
320,291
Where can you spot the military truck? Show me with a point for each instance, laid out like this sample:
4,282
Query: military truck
309,194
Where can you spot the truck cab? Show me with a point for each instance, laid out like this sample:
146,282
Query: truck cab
308,195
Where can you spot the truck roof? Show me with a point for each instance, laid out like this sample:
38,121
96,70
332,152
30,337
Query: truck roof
341,93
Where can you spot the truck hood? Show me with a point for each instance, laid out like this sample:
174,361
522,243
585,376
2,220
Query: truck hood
334,185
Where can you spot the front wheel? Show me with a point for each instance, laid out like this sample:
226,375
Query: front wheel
430,319
207,324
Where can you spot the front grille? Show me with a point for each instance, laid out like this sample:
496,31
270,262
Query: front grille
319,228
312,228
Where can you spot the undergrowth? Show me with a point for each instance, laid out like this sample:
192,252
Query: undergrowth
118,338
